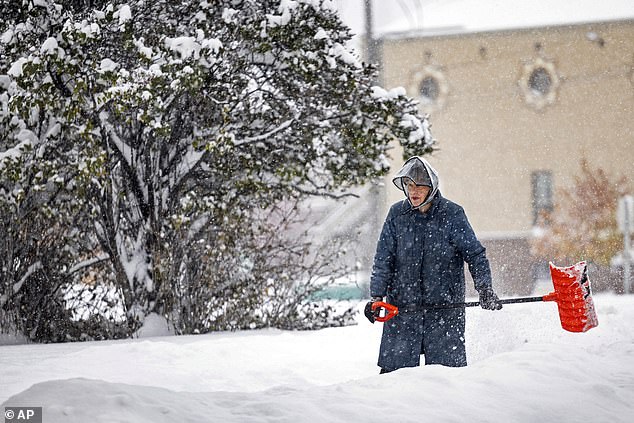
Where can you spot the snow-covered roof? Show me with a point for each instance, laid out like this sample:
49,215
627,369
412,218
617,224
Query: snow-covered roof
468,16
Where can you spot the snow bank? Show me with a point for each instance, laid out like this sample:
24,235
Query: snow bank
11,338
524,368
153,326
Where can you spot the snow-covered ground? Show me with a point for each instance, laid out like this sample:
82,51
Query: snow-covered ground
523,368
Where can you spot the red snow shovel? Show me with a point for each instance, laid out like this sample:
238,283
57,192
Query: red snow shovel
572,295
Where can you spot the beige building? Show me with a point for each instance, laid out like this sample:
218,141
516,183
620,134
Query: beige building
514,112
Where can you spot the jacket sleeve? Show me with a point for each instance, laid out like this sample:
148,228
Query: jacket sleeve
472,251
384,260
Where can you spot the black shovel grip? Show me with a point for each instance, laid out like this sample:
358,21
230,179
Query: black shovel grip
477,303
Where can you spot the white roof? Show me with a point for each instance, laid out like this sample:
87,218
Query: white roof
467,16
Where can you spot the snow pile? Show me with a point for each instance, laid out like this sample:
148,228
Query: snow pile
524,368
153,326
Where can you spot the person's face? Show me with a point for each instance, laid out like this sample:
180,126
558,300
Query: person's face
416,193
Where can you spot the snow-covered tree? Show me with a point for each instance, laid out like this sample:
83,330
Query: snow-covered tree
42,223
169,121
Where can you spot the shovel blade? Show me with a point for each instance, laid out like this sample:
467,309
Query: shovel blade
574,297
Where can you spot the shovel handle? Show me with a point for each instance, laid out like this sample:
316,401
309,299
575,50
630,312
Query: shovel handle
392,310
549,297
505,301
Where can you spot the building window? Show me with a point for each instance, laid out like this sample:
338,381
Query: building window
542,188
429,89
429,85
539,83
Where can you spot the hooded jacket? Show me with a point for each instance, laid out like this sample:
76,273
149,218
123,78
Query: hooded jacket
420,261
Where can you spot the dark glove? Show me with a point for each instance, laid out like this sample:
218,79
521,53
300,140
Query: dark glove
488,299
372,315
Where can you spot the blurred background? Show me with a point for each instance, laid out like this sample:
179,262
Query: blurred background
532,106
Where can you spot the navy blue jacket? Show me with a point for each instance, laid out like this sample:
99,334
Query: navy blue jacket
420,260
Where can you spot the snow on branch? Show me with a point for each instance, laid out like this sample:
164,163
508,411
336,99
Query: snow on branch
32,269
189,161
88,263
263,137
26,140
124,149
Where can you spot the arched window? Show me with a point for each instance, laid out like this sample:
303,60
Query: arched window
430,87
539,83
